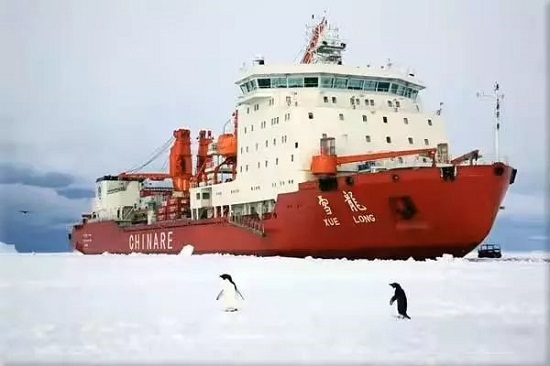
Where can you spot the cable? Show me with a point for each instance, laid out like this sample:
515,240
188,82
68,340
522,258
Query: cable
155,155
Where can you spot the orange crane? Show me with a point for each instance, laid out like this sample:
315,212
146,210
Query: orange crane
327,162
314,42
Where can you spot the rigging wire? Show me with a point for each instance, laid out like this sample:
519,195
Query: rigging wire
159,151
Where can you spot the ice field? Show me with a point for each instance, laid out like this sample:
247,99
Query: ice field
138,308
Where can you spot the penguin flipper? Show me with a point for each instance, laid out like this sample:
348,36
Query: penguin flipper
240,294
393,299
220,294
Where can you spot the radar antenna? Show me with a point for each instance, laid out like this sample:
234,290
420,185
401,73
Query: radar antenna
324,43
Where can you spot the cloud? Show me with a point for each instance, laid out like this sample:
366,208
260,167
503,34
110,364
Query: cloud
13,174
60,182
7,248
76,193
46,226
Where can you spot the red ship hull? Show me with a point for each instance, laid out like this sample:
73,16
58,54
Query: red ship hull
415,212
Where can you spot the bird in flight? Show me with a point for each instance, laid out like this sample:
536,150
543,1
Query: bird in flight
24,212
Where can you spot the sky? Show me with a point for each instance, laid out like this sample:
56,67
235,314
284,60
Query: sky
89,88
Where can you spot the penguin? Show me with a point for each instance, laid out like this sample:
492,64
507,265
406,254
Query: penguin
229,292
401,298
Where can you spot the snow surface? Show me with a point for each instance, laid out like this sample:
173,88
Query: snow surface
139,308
7,248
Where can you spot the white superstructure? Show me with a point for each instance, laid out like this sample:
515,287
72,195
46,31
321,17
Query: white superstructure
284,110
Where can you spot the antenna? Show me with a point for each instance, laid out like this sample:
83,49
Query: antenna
497,96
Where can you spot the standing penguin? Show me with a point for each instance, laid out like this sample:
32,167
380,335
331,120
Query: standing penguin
229,292
401,298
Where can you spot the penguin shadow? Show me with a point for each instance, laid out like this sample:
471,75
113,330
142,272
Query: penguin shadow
400,297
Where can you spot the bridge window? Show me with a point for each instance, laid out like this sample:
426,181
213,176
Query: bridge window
310,115
426,142
333,99
367,138
364,118
390,104
385,119
405,120
341,116
383,86
310,82
388,139
372,102
355,84
340,83
325,99
429,122
264,83
370,85
327,82
411,141
295,82
292,157
278,82
397,104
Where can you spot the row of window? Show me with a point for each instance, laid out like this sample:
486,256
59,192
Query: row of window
353,101
382,85
282,183
357,102
259,164
388,140
252,188
364,117
284,140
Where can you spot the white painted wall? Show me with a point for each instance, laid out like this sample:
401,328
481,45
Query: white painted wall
272,121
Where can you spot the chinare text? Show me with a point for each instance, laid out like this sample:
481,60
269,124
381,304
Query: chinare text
151,241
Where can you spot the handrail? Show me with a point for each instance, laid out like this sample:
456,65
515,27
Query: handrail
250,223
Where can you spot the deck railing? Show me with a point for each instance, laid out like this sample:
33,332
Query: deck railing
249,223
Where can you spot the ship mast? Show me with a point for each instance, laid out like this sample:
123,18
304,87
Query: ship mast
324,43
497,96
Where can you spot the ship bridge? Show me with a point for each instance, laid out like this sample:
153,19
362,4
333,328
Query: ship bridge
261,81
